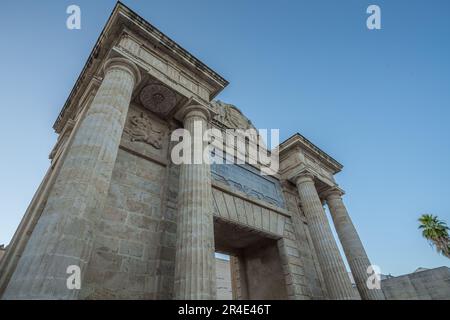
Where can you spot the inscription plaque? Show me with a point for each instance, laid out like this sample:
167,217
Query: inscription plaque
247,179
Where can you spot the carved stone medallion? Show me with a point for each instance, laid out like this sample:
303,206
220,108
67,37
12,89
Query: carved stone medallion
158,98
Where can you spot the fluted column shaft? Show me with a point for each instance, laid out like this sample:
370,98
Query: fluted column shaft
331,263
352,245
63,236
195,261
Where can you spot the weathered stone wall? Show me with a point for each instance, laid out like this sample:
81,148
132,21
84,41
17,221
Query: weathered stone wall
433,284
125,257
223,279
292,264
168,229
133,251
265,279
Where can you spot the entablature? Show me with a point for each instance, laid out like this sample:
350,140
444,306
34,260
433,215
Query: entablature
298,155
128,35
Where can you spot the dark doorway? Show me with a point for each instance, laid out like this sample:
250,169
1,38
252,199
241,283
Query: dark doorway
255,264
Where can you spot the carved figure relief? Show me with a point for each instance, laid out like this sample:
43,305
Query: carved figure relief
235,119
141,129
231,116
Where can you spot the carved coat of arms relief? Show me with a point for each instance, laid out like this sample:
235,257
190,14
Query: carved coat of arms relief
141,129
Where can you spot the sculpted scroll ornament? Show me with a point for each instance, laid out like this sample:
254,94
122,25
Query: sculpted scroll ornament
140,129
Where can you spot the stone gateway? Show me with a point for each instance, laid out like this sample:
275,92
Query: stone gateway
138,226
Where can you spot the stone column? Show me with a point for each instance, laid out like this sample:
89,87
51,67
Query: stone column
331,263
64,233
195,262
352,245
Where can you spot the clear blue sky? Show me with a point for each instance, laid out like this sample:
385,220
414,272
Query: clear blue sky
377,101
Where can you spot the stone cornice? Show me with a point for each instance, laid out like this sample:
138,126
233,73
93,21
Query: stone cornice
299,141
62,138
150,32
120,19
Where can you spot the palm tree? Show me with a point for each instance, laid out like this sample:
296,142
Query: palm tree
436,232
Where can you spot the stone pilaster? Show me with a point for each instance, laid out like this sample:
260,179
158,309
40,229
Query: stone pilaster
330,260
64,234
352,245
195,262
